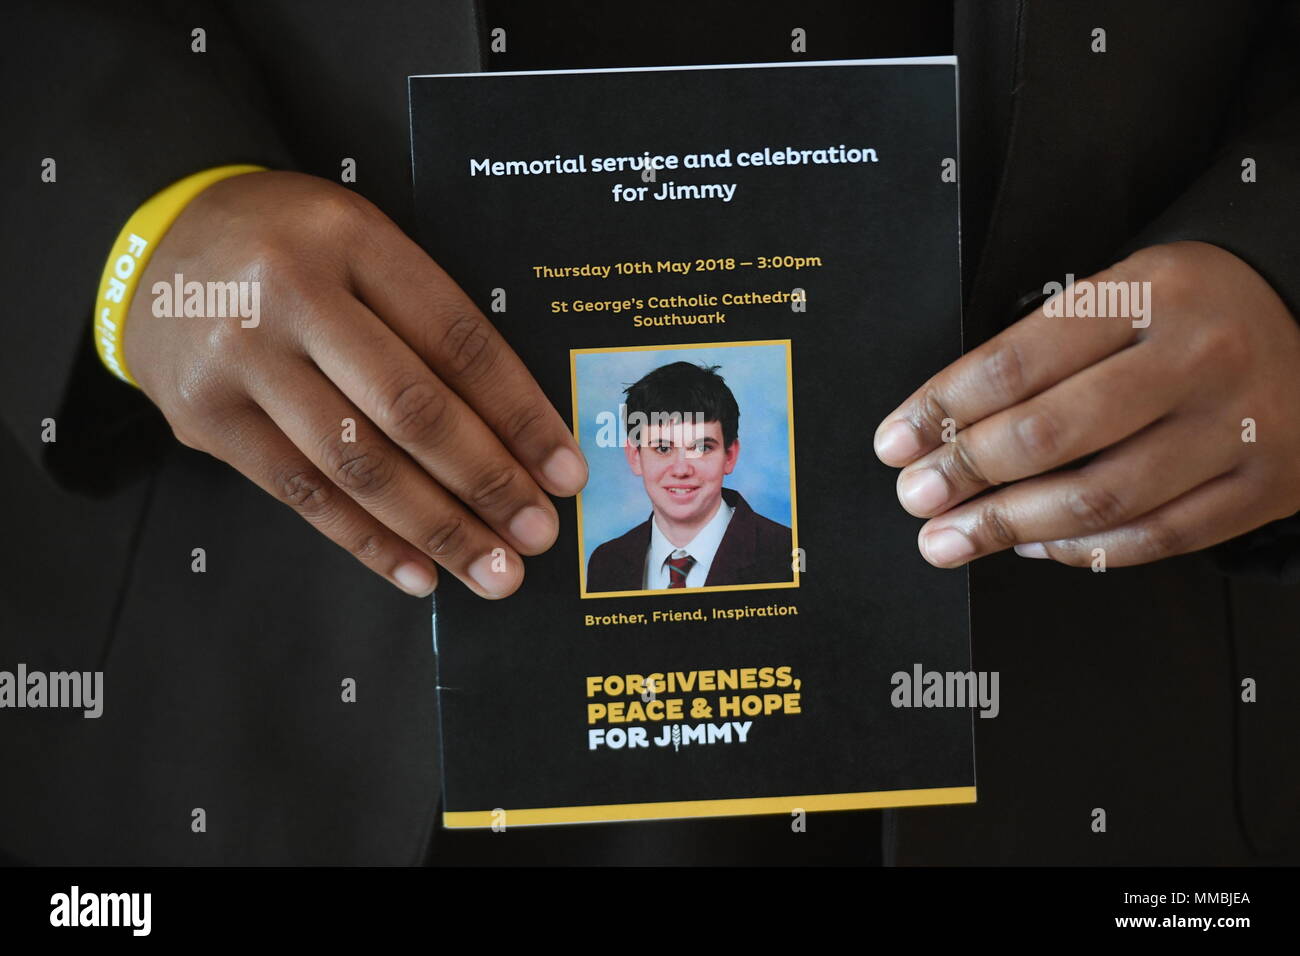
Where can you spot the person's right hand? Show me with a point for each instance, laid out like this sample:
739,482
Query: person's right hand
454,441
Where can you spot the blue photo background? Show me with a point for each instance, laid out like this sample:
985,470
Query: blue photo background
615,501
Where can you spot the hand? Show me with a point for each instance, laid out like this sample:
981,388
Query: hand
1161,408
454,441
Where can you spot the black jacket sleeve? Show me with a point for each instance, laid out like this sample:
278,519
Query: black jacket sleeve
118,97
1252,209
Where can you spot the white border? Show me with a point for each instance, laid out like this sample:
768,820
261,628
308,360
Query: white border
899,61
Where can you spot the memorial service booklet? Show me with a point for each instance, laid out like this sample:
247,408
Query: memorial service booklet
725,276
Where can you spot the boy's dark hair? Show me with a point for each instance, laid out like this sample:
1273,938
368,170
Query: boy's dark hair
683,389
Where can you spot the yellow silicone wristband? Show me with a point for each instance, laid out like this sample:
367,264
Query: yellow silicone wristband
131,253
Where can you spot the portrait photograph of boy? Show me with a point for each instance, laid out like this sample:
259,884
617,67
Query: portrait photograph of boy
677,500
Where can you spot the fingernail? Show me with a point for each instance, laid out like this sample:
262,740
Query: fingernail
566,471
947,547
414,579
533,528
495,573
923,492
1035,550
897,444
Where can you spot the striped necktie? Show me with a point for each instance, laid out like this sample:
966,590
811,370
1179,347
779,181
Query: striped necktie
678,568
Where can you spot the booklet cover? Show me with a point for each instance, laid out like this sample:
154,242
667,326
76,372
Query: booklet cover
726,276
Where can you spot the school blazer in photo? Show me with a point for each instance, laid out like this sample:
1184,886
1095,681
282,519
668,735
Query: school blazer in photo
755,550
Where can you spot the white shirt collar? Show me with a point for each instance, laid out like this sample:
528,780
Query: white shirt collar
703,548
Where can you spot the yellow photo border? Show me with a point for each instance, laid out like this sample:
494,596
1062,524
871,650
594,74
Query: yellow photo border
794,507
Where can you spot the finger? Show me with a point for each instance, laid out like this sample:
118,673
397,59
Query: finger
1084,414
422,304
1122,483
254,446
1032,355
394,389
384,481
1213,512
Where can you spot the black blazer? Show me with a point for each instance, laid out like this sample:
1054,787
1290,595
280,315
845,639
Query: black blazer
755,550
1121,690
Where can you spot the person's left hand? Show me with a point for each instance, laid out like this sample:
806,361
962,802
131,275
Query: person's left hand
1179,468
